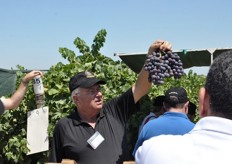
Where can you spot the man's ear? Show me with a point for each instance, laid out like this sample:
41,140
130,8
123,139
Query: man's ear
204,103
75,98
186,106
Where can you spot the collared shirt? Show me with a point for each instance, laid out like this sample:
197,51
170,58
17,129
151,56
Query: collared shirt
210,141
149,117
169,123
71,134
1,107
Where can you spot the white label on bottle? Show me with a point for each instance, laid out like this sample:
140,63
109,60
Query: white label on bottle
38,85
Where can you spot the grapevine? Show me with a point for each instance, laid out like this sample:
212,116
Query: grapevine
162,65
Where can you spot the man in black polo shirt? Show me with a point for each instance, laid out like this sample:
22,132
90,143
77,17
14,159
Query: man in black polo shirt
95,133
17,97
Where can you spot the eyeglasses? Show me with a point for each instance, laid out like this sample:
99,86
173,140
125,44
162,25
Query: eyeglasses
93,91
90,91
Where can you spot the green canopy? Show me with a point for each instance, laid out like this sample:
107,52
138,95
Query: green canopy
189,58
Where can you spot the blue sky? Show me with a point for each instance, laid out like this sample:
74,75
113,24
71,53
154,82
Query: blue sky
31,32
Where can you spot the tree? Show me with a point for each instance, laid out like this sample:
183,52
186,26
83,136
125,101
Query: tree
119,78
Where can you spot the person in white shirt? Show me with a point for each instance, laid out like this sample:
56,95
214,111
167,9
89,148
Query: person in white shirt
210,141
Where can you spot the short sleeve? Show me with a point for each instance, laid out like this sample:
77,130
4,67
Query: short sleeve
1,107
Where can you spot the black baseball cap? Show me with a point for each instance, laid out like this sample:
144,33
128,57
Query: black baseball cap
84,79
176,95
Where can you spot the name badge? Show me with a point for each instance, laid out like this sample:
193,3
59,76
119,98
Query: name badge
95,140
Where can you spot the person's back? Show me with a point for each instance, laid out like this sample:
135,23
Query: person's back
201,145
157,110
174,121
210,141
169,123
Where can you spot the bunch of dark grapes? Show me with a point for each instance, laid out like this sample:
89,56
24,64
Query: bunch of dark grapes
162,65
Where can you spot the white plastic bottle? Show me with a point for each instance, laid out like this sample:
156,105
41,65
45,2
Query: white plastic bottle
39,91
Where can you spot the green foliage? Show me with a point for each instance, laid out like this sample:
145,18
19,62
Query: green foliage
118,77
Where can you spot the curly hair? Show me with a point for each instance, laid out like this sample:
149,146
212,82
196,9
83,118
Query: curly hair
219,85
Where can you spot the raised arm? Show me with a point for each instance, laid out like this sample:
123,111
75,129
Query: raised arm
142,84
17,97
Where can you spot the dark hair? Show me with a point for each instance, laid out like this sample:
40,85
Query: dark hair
169,106
219,85
175,97
192,108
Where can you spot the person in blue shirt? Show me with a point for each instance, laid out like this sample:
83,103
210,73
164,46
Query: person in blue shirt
157,110
174,121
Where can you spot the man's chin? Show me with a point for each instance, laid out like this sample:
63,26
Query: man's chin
99,106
